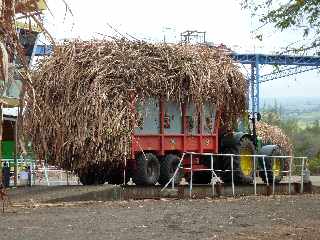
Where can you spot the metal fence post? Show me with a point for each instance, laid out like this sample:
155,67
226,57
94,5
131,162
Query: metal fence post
191,176
290,170
254,175
302,172
273,178
46,174
124,171
232,177
31,174
172,183
265,170
212,181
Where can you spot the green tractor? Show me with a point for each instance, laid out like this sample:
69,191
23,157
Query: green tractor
244,143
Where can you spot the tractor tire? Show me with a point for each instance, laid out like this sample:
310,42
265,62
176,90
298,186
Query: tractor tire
147,169
168,167
242,166
274,166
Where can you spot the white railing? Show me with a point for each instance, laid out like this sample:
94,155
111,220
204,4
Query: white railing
215,178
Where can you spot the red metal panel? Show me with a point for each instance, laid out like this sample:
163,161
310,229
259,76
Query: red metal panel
161,126
173,143
209,144
161,143
146,143
192,143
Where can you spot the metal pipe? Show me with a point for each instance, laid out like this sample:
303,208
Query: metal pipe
124,171
273,178
254,175
265,170
302,173
172,183
232,175
46,173
290,169
212,181
191,177
31,174
175,173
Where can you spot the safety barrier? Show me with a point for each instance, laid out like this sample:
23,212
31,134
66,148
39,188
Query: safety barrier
49,177
30,173
214,178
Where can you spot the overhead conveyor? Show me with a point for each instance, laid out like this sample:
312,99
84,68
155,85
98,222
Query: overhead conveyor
300,63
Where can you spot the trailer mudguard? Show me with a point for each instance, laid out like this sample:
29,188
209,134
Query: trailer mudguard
234,139
267,149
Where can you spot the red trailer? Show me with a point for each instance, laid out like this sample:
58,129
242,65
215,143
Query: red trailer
164,130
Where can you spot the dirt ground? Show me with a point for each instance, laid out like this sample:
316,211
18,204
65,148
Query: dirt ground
279,217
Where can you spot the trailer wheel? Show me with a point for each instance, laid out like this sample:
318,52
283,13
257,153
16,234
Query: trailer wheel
147,169
274,166
242,165
92,176
168,167
87,178
115,176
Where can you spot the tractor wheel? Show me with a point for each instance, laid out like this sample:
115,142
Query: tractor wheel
274,166
147,169
242,165
168,167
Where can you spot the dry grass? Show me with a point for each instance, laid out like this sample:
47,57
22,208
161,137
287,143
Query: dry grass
274,135
82,110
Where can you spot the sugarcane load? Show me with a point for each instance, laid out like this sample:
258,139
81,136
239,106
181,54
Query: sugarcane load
101,107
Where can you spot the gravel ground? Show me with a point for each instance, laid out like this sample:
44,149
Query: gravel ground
280,217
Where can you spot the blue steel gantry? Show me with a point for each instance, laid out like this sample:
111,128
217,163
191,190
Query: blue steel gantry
300,63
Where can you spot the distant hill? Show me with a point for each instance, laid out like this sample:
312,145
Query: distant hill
305,109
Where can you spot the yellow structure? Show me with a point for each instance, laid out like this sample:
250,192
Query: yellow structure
30,5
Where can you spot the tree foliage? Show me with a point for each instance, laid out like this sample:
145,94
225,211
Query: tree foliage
301,15
305,140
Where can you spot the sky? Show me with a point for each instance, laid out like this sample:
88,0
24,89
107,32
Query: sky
224,22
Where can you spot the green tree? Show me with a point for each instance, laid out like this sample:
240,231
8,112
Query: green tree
302,15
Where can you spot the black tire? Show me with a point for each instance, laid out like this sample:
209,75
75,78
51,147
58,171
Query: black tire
240,177
168,167
147,169
115,176
93,175
269,168
87,178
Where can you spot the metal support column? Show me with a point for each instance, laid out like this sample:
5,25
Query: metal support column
257,93
253,104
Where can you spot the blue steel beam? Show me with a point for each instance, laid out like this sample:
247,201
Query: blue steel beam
276,59
43,50
286,72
